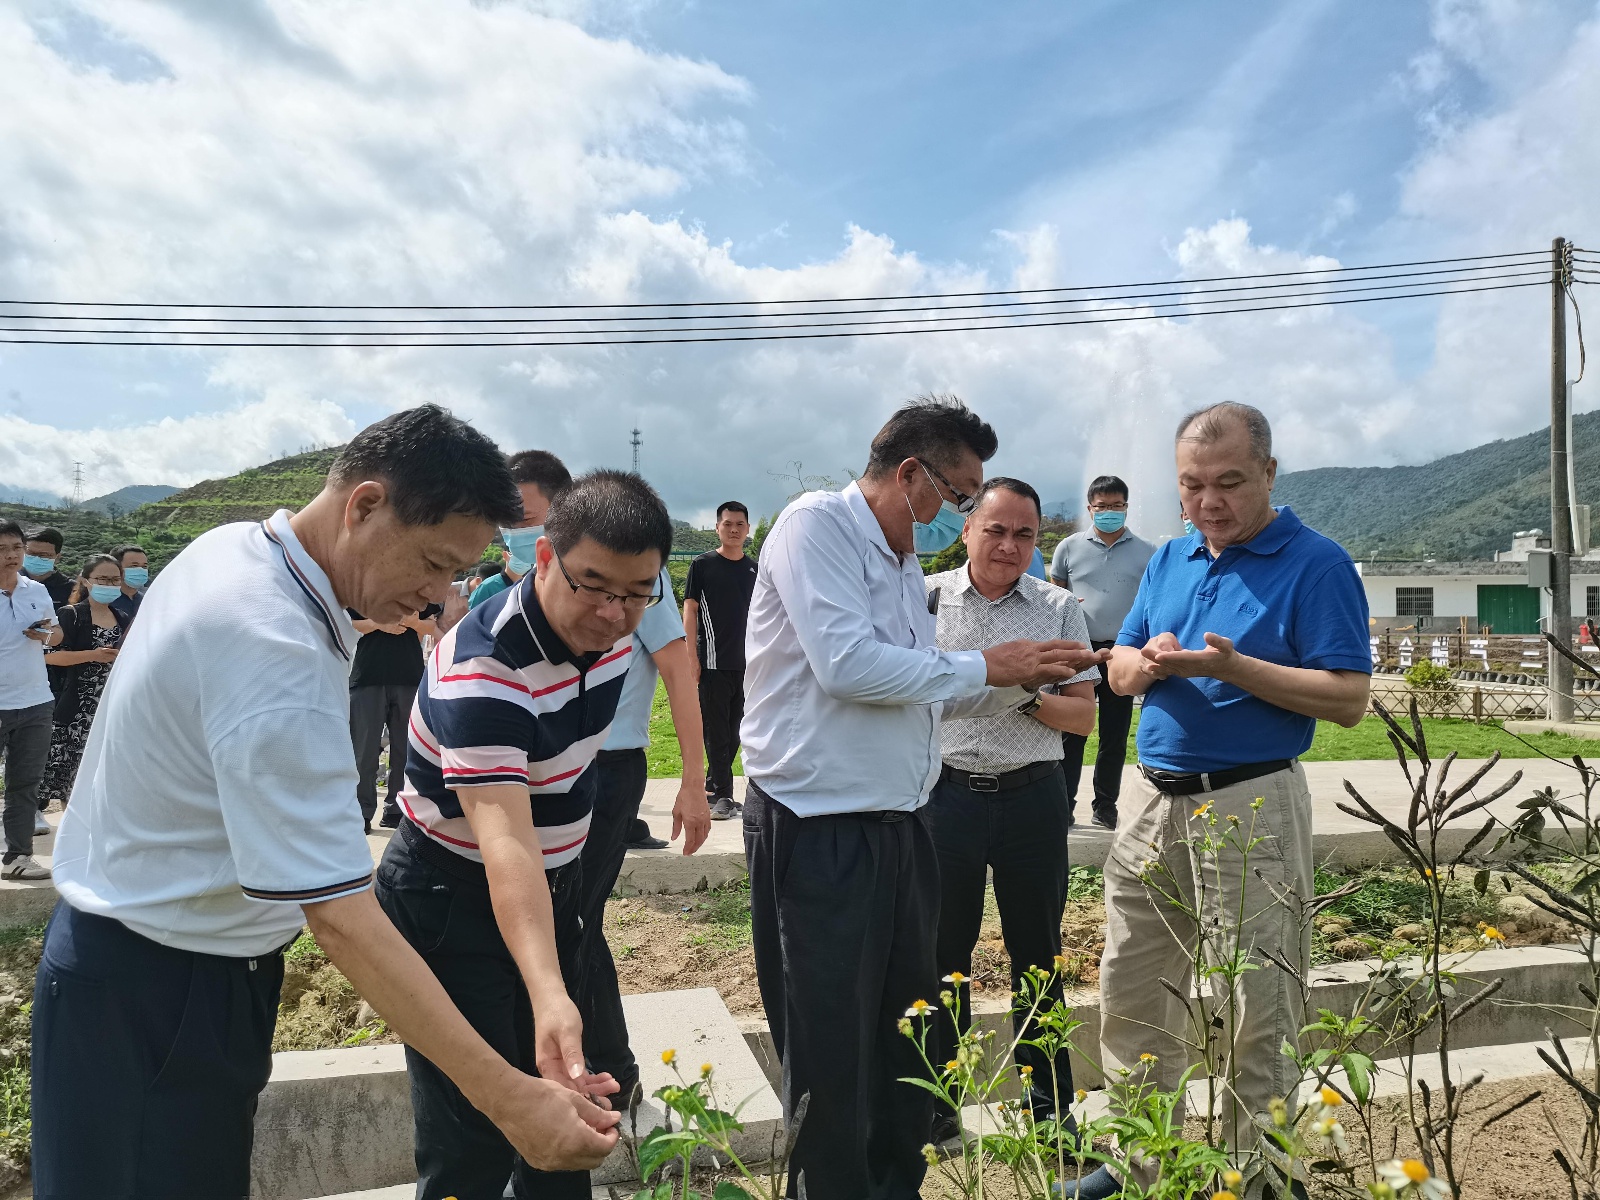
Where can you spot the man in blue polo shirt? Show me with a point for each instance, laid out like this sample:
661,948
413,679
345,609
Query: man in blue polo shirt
483,878
1243,635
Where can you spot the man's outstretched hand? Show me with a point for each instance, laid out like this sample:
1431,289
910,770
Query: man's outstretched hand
1034,664
1164,656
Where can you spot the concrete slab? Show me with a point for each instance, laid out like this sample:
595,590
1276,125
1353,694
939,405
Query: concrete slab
1582,729
332,1122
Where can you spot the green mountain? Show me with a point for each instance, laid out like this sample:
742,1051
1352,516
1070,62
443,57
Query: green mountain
1462,506
129,498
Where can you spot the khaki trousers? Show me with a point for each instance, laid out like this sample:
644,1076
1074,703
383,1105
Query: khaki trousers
1156,855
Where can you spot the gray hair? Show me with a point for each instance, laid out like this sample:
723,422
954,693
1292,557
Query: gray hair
1207,425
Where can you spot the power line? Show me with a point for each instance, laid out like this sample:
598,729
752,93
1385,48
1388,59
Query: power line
1536,256
1351,284
721,334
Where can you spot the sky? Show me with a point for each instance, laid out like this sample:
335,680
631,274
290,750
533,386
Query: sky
442,152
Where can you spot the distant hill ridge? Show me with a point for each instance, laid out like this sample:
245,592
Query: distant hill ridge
1462,506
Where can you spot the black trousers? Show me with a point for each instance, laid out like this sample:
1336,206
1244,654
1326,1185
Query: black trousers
1022,835
147,1064
442,908
1115,715
843,913
372,710
721,710
621,782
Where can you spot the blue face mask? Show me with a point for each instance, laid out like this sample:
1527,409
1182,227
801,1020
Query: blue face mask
136,577
1110,522
520,545
33,564
1188,526
104,593
941,531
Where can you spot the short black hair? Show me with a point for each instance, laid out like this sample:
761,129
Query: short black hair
1004,483
617,509
46,533
10,528
1106,485
434,465
933,428
540,468
485,569
732,506
121,552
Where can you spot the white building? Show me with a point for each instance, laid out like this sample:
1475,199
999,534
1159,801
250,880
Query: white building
1436,595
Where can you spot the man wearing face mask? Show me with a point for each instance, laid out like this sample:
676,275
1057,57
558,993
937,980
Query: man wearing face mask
1102,565
845,688
539,475
135,566
39,560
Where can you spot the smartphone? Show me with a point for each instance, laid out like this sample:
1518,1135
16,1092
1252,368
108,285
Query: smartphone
41,625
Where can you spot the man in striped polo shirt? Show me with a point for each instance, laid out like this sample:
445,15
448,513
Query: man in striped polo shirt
500,779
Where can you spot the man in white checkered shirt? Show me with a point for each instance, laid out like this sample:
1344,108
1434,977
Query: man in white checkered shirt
1001,799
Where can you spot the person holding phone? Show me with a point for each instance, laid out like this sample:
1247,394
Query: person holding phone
26,705
83,646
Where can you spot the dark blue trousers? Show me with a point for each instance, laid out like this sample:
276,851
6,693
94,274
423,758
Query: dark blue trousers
440,903
147,1064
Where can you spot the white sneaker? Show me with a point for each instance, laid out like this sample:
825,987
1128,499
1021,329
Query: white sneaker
41,826
24,868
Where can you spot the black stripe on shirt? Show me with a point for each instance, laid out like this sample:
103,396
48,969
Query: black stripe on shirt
333,889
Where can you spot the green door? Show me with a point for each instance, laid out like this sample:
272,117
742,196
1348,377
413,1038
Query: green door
1508,607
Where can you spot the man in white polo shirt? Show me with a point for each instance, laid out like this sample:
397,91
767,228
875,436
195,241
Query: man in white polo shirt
215,811
26,705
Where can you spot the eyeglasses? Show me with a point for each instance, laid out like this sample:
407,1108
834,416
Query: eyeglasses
1117,506
964,502
599,597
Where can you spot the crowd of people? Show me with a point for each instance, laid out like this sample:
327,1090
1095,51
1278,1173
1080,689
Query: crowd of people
905,738
64,633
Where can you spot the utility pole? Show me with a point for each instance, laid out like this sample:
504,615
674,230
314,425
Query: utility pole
1560,669
636,443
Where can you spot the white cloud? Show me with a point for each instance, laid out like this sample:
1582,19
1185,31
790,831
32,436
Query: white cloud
426,151
176,451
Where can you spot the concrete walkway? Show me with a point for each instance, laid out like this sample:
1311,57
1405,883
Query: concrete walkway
1338,838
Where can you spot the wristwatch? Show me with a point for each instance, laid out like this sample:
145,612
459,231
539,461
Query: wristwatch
1031,705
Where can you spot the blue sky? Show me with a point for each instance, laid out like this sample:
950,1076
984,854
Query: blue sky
441,151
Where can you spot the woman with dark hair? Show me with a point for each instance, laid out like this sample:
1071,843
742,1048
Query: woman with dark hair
87,636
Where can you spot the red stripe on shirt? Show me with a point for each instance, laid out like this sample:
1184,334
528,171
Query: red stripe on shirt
557,778
434,833
568,846
520,771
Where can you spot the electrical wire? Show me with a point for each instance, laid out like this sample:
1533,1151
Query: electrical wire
720,334
131,323
1354,284
1537,256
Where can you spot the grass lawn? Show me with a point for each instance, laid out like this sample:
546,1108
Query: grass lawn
1367,740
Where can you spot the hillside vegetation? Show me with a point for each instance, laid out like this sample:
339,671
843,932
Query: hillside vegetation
1464,506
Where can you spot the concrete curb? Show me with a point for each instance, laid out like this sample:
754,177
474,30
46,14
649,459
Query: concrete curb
339,1121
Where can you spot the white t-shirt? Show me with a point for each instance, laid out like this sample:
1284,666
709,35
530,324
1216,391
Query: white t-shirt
218,787
24,682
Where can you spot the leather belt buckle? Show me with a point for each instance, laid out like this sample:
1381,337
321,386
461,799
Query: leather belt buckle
984,783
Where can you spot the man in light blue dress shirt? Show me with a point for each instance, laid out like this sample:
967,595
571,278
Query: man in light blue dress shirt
844,689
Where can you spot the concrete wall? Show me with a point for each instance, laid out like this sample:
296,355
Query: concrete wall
1454,595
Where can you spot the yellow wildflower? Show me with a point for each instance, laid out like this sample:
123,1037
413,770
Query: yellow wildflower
1081,1095
1331,1098
1490,934
667,1057
955,977
952,1065
1224,1194
1203,809
1232,1178
705,1070
1148,1058
1026,1070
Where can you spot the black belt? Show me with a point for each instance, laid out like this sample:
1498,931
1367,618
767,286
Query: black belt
1173,783
976,781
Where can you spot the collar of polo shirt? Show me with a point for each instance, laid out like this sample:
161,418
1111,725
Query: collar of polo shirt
964,584
1269,541
526,598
